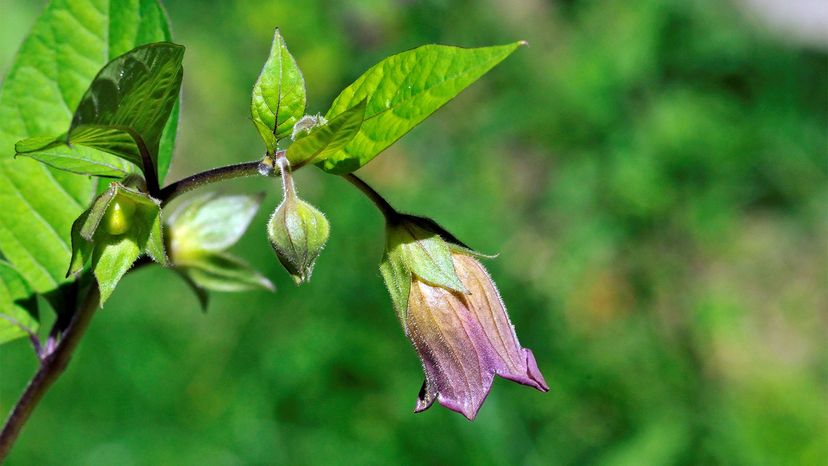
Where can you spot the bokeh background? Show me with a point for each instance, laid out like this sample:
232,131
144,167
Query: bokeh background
653,174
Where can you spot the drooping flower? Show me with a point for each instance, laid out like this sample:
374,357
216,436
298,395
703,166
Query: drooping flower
452,312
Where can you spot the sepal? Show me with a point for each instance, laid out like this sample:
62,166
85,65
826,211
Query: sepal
422,252
121,224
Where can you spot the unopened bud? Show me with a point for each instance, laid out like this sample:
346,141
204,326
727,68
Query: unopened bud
298,233
119,216
297,230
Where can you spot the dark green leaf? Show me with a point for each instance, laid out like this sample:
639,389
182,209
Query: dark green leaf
63,52
402,90
127,106
279,93
325,140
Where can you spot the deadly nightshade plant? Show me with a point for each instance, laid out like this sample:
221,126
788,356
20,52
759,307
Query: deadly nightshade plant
93,120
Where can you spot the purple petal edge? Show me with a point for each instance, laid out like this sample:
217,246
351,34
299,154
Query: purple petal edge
533,378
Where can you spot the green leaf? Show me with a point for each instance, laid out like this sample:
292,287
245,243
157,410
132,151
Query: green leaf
127,106
81,160
18,307
65,49
210,223
223,272
270,141
402,90
279,93
325,140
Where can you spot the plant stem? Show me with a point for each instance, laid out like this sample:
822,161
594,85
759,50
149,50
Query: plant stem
51,367
210,176
54,363
387,211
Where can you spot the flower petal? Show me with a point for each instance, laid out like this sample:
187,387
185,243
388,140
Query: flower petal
464,340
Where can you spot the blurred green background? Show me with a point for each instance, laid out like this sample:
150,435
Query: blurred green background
653,174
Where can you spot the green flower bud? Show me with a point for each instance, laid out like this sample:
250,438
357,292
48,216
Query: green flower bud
297,230
298,233
119,216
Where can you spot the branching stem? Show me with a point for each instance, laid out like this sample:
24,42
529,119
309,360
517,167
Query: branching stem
57,353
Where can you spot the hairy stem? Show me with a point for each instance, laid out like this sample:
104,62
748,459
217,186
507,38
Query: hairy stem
54,362
387,211
208,177
51,367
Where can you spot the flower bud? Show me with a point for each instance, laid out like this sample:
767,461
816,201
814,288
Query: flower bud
118,217
462,334
298,233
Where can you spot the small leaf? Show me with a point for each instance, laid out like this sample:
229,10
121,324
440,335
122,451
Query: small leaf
80,160
279,93
270,141
126,108
223,272
210,223
327,139
402,90
18,307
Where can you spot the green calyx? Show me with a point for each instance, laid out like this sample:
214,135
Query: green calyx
200,231
419,247
297,230
121,224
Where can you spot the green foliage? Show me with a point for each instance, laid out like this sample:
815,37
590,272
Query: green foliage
18,309
653,175
211,223
402,90
201,230
120,225
279,94
225,273
67,46
76,159
123,112
326,139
